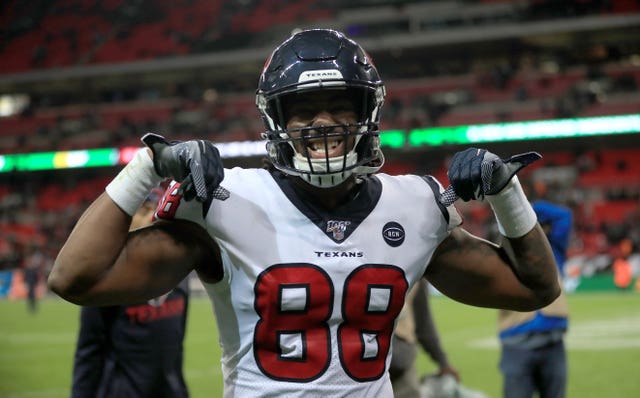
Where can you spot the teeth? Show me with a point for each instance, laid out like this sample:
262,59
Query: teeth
318,146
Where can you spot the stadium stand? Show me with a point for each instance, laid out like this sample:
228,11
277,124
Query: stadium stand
98,74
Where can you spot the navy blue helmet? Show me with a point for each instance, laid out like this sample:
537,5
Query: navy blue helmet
322,59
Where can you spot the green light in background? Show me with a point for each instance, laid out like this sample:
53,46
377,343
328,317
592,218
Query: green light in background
7,162
102,157
392,138
36,161
436,136
59,160
560,128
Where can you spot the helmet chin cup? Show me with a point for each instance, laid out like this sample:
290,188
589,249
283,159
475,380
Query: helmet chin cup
326,180
316,172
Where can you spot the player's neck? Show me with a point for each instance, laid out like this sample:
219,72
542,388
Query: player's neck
329,198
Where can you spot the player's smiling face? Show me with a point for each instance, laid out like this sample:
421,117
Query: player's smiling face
317,113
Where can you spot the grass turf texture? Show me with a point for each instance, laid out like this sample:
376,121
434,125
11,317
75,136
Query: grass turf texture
36,350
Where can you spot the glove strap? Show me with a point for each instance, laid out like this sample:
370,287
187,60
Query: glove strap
134,182
512,209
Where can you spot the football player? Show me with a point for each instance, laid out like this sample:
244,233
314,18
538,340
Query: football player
307,264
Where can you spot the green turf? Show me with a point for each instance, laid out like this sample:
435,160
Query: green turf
604,347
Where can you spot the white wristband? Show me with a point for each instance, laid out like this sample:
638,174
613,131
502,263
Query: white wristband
512,209
132,185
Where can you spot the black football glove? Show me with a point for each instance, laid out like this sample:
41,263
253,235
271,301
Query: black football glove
475,173
196,165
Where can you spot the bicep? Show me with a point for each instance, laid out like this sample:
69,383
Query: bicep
474,271
153,261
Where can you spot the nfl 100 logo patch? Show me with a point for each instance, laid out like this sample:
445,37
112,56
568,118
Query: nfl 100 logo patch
337,228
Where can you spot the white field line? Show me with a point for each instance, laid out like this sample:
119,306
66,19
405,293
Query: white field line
44,393
604,334
37,338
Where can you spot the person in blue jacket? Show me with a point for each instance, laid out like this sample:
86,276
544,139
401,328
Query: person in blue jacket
133,351
533,355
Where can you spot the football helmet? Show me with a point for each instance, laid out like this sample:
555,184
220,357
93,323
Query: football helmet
321,59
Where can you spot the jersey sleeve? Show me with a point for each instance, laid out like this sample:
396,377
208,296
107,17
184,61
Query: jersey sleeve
450,212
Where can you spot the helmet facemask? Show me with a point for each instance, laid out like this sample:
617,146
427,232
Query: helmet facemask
325,155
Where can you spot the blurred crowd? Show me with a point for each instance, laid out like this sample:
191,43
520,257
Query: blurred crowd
440,87
37,213
517,79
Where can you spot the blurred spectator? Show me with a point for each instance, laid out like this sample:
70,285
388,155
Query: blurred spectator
622,273
133,351
35,265
416,328
622,270
533,356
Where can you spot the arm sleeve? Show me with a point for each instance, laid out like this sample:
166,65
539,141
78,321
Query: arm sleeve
426,332
91,351
559,219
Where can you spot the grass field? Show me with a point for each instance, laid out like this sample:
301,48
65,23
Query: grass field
604,347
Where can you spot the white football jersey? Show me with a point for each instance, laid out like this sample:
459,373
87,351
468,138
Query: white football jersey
309,297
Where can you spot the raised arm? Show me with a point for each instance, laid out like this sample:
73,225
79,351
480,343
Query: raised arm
519,275
477,272
103,263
